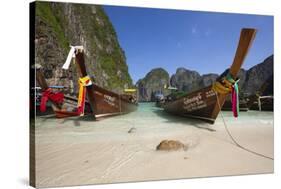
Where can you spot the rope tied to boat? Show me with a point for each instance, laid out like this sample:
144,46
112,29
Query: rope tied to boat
229,85
235,142
47,95
85,81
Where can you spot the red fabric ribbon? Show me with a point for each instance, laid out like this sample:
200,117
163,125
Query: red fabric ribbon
235,100
56,98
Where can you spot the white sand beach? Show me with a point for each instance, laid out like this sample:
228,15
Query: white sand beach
77,151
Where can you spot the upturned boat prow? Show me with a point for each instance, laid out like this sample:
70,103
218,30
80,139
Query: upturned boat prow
103,102
206,103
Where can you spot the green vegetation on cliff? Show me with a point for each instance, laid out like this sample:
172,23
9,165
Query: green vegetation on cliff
87,25
154,82
45,12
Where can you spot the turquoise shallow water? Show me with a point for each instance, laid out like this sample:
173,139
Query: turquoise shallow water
149,112
113,154
149,116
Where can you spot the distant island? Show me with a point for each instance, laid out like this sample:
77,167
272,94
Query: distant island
188,80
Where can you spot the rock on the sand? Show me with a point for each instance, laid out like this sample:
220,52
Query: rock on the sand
171,145
132,130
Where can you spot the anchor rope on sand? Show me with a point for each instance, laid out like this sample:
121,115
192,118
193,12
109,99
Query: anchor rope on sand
235,141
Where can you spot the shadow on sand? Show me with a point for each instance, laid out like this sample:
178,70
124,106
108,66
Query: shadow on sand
170,118
75,119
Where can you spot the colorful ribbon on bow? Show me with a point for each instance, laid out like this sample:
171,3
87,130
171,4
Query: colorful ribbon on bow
56,98
83,82
234,95
227,85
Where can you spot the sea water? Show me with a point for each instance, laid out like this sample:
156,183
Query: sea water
147,122
148,115
79,150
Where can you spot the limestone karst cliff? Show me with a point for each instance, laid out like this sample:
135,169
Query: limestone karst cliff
251,80
58,25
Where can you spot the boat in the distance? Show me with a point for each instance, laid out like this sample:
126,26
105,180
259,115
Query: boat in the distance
159,99
263,100
205,104
227,106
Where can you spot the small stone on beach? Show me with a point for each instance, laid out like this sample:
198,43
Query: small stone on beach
132,130
171,145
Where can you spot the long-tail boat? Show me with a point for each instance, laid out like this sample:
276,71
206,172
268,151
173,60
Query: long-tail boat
103,102
263,99
62,105
227,106
160,100
205,104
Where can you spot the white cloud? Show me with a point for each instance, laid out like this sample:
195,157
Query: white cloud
179,45
194,30
208,32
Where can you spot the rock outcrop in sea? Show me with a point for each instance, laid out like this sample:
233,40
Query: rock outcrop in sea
152,84
59,25
185,80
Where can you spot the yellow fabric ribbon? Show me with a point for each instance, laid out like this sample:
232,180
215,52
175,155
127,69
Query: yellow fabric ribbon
83,82
223,87
130,90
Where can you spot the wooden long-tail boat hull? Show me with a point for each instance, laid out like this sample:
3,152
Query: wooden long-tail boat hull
205,104
159,104
68,108
200,104
104,102
242,106
108,103
69,105
266,104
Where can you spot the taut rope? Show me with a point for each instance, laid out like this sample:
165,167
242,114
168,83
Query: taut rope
232,138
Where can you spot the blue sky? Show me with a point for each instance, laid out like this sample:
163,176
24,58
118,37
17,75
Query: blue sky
201,41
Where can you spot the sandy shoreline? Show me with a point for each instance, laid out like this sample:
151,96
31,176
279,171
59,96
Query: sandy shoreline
79,151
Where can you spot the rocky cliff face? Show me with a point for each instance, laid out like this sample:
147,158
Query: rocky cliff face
258,75
250,80
207,79
185,80
59,25
153,83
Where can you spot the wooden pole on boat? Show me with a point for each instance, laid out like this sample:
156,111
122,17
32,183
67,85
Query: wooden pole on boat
247,36
40,78
43,83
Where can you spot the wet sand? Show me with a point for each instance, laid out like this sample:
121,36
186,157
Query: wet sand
78,151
